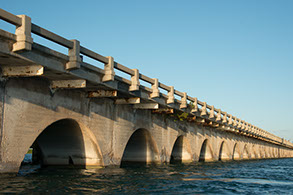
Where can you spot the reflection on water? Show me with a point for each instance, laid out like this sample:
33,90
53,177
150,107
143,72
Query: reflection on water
248,177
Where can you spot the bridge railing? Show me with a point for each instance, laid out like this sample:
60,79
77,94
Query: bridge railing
24,28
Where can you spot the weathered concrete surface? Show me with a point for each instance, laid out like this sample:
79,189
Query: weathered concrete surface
66,127
2,87
104,129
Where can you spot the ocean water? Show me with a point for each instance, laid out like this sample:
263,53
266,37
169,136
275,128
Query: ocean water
272,176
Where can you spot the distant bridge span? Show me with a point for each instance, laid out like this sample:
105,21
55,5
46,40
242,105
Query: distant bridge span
74,113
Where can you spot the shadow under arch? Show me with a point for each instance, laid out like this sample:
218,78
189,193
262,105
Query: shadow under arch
272,152
66,143
206,154
141,149
236,152
275,152
224,152
254,154
245,153
180,152
267,153
261,152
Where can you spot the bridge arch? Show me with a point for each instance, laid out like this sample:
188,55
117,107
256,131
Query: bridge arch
140,149
236,152
66,142
245,153
181,151
224,152
261,152
206,153
271,152
275,152
266,152
253,154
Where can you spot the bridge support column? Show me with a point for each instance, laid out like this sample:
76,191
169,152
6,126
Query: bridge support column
6,165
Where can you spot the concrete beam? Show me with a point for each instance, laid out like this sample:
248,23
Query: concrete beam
22,71
102,94
200,120
146,106
213,124
164,110
70,84
191,119
135,100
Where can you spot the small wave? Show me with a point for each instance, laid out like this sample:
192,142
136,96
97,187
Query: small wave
257,181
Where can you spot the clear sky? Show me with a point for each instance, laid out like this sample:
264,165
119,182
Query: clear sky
236,55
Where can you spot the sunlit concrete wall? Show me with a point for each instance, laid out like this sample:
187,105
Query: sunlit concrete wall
30,107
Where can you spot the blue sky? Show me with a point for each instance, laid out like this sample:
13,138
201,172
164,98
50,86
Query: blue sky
236,55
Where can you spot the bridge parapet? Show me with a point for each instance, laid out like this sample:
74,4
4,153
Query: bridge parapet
159,95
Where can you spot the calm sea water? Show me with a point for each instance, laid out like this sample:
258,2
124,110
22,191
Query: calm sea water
273,176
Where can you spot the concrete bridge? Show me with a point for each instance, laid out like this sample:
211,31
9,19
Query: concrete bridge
74,113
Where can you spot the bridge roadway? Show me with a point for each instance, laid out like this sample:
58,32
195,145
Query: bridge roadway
73,113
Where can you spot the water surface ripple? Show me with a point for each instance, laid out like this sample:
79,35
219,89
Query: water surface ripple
273,176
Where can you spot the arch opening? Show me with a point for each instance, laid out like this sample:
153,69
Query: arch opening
66,143
260,152
254,154
267,152
140,149
205,152
275,152
224,152
245,154
236,153
180,152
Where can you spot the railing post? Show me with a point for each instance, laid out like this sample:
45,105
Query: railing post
74,56
204,109
135,81
225,118
24,39
219,117
248,126
195,106
183,101
155,87
212,113
230,120
243,125
109,70
235,122
171,98
239,125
